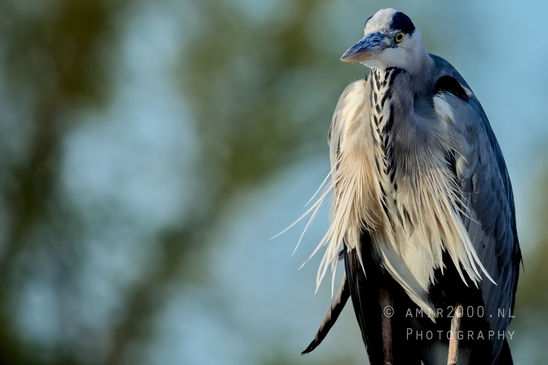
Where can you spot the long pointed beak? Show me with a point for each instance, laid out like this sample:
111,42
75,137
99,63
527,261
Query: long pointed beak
366,48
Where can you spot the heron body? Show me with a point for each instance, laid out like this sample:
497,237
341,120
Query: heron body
423,207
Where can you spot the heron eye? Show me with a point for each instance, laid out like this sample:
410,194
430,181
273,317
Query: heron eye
399,37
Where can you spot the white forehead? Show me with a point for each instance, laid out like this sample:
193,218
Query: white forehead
380,21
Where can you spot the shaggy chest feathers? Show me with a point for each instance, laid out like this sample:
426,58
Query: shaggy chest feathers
406,196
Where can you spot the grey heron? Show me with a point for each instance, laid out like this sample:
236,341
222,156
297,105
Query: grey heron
423,209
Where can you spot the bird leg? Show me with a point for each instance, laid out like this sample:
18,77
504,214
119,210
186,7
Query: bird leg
386,324
454,339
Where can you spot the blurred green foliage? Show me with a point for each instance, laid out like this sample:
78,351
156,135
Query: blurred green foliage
51,64
55,61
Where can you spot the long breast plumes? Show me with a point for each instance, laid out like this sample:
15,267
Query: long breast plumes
406,198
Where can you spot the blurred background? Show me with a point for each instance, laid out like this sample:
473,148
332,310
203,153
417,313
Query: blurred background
149,149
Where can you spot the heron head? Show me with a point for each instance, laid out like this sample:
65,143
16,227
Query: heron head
390,40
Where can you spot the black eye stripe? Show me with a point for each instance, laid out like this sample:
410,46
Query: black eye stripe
401,22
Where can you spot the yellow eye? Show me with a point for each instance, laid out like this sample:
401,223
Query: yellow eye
399,37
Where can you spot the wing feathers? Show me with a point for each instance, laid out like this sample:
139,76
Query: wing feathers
483,177
332,315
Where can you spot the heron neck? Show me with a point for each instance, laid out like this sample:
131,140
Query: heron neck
421,75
